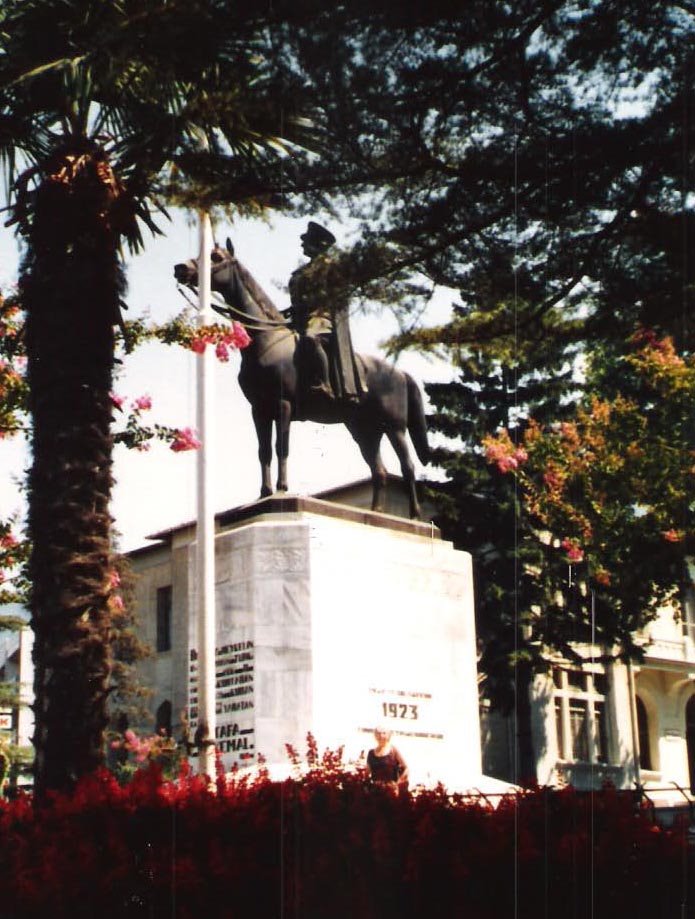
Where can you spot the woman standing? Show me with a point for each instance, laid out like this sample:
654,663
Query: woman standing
385,763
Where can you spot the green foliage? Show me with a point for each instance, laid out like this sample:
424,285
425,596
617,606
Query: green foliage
15,764
12,357
5,763
132,753
127,697
479,508
156,83
540,152
610,493
9,695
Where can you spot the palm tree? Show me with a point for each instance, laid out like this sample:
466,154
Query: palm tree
102,105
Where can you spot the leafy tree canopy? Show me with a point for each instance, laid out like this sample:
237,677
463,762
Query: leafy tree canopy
533,151
609,493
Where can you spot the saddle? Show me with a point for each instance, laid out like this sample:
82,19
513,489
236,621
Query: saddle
323,376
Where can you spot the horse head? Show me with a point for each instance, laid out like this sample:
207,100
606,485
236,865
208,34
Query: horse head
249,303
222,261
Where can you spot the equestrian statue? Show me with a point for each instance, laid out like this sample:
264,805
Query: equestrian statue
301,366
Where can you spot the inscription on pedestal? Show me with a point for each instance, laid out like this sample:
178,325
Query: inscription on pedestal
234,692
405,712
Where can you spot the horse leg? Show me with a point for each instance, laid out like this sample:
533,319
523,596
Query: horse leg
400,445
368,441
264,433
282,445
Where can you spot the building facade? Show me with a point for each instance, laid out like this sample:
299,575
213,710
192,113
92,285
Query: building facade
17,717
630,724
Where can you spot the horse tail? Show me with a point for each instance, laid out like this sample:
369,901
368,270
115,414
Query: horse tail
417,426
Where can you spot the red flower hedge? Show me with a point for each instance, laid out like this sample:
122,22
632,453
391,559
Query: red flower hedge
331,845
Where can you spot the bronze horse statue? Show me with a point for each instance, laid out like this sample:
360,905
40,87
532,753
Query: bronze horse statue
270,378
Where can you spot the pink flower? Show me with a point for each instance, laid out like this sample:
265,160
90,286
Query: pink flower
116,603
222,352
8,541
143,403
502,452
520,455
185,439
644,336
197,345
672,535
497,453
551,479
574,553
117,401
507,463
114,579
240,337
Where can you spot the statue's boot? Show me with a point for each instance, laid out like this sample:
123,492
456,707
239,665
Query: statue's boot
322,389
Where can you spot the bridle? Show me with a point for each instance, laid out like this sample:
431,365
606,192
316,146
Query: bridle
221,261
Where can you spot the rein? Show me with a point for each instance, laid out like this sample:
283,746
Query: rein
230,312
266,325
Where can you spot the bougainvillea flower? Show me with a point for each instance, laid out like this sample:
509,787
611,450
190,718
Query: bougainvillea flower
673,535
574,553
143,403
185,439
116,603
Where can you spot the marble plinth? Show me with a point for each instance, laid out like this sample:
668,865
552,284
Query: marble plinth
332,621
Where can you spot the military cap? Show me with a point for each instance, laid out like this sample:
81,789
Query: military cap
318,234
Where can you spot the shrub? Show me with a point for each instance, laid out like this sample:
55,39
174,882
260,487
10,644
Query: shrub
329,845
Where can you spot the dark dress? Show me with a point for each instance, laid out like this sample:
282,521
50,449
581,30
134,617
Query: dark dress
387,768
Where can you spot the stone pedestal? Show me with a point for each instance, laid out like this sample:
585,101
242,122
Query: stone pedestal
333,620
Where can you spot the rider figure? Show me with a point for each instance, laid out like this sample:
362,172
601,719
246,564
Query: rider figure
320,314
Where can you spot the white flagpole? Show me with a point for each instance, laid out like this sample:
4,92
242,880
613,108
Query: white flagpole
205,536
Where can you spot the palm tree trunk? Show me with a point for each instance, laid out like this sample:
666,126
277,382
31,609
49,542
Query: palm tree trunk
71,282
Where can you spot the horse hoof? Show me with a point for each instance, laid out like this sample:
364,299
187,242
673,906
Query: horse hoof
266,492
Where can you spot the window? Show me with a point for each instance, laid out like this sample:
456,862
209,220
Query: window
645,757
163,719
580,715
689,614
690,739
164,618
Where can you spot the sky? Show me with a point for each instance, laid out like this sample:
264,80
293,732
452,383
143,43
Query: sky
156,490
